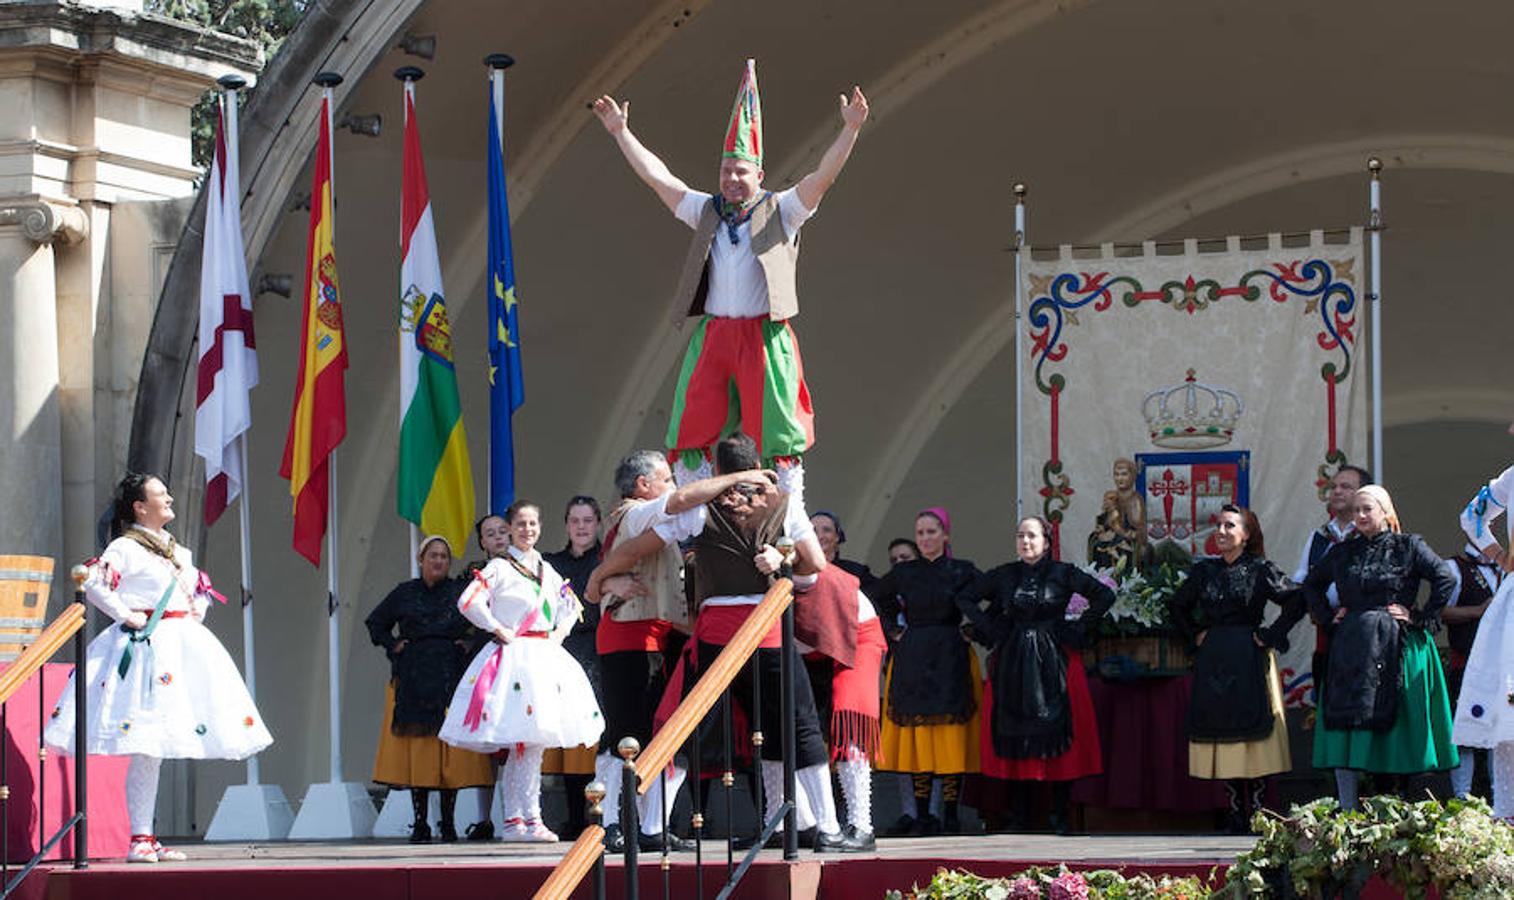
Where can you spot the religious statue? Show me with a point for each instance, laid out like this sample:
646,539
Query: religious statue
1119,533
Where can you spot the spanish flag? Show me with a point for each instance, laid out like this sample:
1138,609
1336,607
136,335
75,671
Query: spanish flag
435,483
319,419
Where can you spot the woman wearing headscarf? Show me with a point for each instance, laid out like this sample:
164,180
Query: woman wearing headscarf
1038,718
933,689
427,642
160,686
1236,729
1383,707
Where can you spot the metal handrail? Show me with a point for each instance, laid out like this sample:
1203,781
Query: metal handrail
68,624
588,851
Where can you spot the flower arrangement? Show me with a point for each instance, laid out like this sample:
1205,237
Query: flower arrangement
1141,598
1060,883
1318,850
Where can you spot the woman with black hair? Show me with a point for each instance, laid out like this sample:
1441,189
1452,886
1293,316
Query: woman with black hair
1236,729
160,686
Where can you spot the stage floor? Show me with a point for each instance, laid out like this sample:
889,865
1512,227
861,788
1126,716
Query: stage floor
380,870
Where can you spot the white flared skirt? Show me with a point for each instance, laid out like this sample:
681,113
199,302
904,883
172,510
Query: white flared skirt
182,697
540,696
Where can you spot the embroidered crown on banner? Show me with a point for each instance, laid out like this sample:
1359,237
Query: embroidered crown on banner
1191,416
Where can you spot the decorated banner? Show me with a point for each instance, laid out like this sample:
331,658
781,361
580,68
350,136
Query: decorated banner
1158,387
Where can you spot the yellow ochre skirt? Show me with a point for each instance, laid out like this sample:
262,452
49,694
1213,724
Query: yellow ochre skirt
1247,759
403,761
950,749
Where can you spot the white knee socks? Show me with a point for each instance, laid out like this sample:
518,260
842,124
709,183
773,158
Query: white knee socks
1501,762
521,781
142,792
650,805
857,788
607,772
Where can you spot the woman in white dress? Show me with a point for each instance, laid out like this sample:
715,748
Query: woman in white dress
160,684
523,692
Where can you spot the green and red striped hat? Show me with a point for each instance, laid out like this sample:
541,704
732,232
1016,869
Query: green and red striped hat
743,136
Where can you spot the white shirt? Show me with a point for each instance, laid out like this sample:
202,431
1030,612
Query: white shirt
690,522
129,578
1491,500
738,288
1339,534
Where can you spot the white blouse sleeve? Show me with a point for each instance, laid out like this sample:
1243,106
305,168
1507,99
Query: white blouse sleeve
1491,500
474,602
100,587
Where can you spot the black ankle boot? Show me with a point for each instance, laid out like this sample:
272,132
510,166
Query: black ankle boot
420,832
447,827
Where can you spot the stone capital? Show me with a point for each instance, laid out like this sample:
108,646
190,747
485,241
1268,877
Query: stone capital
44,221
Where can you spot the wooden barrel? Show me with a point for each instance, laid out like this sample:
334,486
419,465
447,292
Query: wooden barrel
24,585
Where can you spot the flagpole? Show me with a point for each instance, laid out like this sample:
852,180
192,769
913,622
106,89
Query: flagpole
333,595
1019,245
253,811
232,84
1375,297
409,75
497,63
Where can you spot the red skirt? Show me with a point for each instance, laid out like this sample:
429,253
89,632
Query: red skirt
855,697
1084,757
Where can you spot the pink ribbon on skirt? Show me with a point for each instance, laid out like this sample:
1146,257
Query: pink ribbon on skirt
475,714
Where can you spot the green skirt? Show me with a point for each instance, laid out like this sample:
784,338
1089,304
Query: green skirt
1420,739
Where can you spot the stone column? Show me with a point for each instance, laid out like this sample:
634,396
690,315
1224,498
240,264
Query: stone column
30,425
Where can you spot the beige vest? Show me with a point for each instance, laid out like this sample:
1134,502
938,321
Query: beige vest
777,255
661,574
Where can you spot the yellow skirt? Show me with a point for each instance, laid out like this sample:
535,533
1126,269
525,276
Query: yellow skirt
937,749
1247,759
425,762
569,760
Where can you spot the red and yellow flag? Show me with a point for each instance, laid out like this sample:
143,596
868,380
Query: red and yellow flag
319,419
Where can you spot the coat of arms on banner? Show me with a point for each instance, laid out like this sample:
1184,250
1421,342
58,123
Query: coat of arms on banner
1184,493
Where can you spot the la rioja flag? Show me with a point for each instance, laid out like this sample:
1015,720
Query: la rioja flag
228,365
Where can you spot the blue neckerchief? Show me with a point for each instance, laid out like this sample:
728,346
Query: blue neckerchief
733,215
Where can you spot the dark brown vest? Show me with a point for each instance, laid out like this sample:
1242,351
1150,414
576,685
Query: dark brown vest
723,552
778,257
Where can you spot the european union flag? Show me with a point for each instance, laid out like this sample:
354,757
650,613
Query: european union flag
506,390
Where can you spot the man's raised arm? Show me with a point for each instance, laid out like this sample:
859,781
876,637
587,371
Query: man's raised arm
698,493
814,185
615,117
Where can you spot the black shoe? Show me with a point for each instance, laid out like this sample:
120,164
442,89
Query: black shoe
480,831
1058,824
447,832
864,839
775,841
615,839
652,843
420,833
930,826
904,826
841,842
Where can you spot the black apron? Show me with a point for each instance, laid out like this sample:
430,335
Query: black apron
937,688
1032,717
1230,702
1362,682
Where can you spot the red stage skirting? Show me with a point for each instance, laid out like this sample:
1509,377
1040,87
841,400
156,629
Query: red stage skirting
837,879
108,828
1143,730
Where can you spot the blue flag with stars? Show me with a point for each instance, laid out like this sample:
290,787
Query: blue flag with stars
506,390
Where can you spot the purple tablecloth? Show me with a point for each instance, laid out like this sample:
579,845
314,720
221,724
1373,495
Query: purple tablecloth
1142,727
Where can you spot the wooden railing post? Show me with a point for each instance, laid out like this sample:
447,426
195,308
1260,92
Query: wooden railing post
594,794
81,729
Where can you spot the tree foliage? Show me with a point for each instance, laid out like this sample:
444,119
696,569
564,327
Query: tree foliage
267,22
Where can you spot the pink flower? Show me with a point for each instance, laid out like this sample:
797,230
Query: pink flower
1068,886
1076,605
1023,888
